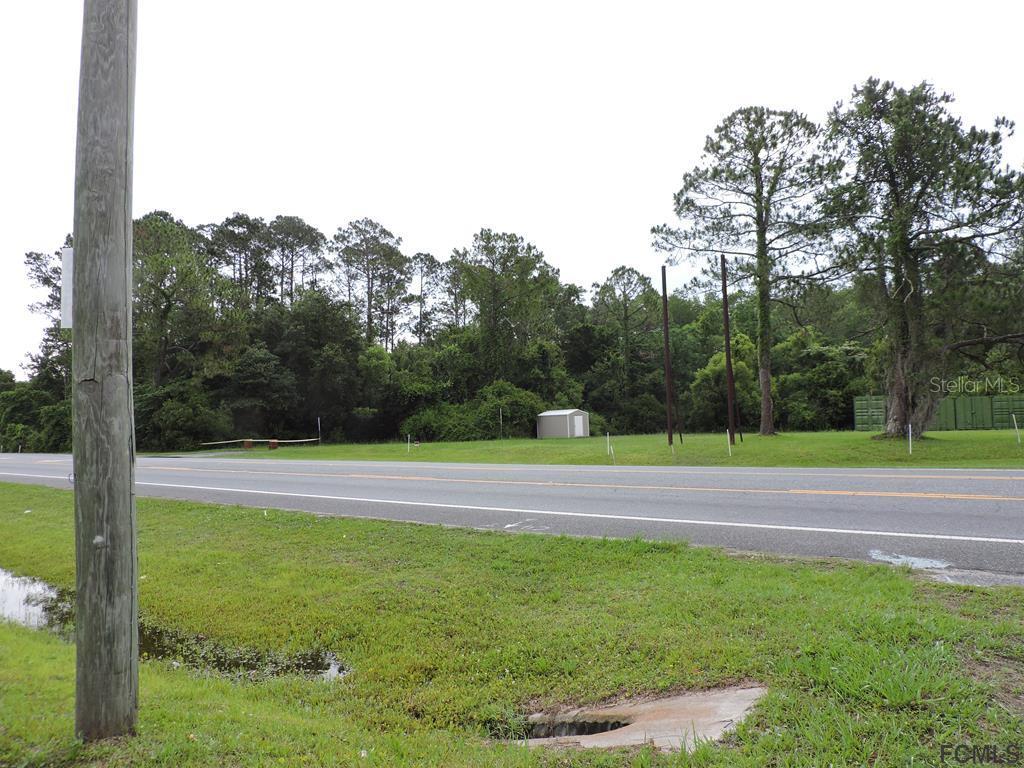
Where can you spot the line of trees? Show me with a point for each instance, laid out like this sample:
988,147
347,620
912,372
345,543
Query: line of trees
870,254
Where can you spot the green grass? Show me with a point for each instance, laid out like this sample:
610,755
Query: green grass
453,634
987,448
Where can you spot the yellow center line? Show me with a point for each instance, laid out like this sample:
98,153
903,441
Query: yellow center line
711,470
613,486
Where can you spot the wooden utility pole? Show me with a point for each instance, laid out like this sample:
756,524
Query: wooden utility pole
106,625
730,382
669,389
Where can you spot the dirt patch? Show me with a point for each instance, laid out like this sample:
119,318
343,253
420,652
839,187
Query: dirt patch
970,602
996,662
1005,675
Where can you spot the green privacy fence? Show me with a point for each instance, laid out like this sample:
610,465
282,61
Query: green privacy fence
869,413
968,412
1003,407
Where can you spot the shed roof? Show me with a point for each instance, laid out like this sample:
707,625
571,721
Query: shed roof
563,412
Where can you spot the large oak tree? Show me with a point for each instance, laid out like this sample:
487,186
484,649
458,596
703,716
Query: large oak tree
931,214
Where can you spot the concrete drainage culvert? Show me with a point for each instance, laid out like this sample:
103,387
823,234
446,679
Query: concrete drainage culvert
671,723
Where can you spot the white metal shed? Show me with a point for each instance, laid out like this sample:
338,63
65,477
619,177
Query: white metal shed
570,422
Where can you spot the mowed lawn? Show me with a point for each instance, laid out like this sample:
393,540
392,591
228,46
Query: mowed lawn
983,448
453,636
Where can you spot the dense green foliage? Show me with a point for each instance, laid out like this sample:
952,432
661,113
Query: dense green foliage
878,253
490,338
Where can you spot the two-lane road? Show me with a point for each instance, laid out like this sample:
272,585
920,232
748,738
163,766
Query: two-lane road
969,519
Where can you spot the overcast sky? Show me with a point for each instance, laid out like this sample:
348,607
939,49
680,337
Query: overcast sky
570,123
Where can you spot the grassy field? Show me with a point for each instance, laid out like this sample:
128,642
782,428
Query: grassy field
454,635
984,448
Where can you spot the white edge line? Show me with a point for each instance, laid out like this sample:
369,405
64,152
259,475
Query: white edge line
594,515
590,515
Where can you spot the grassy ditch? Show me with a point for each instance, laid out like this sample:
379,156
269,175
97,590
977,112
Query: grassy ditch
453,636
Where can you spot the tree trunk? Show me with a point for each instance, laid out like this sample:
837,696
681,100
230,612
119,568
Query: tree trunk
369,308
764,375
762,281
625,344
764,348
290,278
911,402
419,326
898,397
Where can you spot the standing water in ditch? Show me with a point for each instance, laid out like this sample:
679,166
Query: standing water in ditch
24,600
34,603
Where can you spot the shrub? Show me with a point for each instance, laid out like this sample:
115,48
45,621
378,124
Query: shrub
176,416
441,422
54,434
519,409
478,419
598,424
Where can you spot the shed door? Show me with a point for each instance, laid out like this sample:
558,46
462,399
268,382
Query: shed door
579,425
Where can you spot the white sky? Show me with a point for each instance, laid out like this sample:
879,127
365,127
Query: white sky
568,122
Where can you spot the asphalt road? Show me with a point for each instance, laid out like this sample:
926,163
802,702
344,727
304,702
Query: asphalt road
962,519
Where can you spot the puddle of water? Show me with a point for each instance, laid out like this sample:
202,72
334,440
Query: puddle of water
914,562
201,653
35,604
24,600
